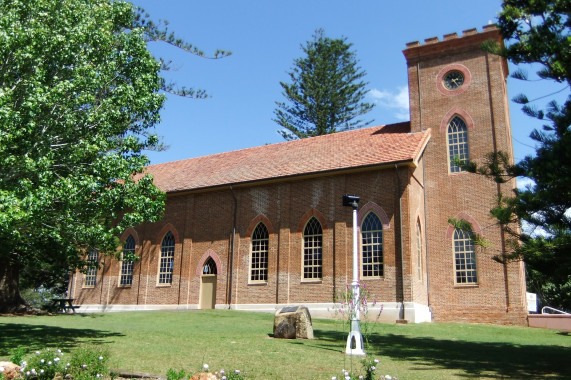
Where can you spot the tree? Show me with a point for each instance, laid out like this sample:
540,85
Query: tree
326,92
538,33
79,96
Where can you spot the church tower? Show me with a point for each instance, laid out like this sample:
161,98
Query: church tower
458,91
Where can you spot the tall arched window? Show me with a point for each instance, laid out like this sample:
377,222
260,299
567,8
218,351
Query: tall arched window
90,278
166,262
457,142
126,278
371,246
418,251
259,254
312,250
464,258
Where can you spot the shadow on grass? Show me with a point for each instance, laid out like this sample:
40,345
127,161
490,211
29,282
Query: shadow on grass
15,335
472,359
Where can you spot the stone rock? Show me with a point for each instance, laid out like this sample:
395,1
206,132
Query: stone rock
284,330
204,376
10,370
296,316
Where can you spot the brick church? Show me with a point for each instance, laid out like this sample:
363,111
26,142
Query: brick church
265,227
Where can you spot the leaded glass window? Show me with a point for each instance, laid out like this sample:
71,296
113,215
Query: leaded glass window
457,142
371,246
312,250
127,265
167,259
209,267
464,258
90,278
259,255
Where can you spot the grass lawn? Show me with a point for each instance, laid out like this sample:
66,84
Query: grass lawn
156,341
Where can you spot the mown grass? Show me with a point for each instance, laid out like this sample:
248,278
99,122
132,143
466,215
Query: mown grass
156,341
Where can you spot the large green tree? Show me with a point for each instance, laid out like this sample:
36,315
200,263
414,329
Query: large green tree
538,34
326,93
79,96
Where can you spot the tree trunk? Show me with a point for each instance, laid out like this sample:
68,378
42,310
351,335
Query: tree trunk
10,299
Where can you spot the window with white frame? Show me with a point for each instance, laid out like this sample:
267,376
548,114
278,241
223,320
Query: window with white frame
457,142
90,278
464,258
166,262
371,246
312,250
259,254
126,277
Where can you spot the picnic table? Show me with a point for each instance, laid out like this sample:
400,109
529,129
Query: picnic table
65,304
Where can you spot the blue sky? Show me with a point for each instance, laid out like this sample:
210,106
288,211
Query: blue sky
265,38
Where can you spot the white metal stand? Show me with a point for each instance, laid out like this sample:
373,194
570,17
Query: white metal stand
355,339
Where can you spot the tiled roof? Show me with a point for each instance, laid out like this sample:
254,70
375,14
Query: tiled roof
338,151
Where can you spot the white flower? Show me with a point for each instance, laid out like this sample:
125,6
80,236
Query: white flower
24,364
34,371
50,363
222,372
67,365
41,371
361,377
334,378
376,361
373,368
205,366
388,377
42,361
223,377
56,360
237,370
37,352
59,351
101,358
28,373
347,377
1,369
84,366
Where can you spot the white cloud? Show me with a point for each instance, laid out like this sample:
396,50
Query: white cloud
397,101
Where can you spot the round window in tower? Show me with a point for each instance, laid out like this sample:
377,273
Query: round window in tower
453,80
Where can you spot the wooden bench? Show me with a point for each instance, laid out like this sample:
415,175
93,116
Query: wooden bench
65,304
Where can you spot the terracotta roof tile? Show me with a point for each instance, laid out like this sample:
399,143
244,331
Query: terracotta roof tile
344,150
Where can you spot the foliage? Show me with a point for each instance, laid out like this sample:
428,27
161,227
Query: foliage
538,33
84,363
175,375
369,367
347,305
326,91
79,97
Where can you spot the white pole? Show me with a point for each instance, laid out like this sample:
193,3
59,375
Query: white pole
355,339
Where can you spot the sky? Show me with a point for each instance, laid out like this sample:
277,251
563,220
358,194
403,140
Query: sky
265,38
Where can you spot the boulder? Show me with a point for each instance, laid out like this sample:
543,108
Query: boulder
10,370
284,330
204,376
296,316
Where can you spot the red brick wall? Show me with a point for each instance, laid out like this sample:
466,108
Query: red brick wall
202,222
499,296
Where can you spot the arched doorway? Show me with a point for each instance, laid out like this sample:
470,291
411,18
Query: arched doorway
208,284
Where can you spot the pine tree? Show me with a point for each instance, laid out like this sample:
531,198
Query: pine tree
326,91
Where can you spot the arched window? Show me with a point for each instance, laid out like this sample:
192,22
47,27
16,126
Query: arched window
259,254
464,258
90,278
418,251
209,267
457,142
371,246
312,250
126,278
166,262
